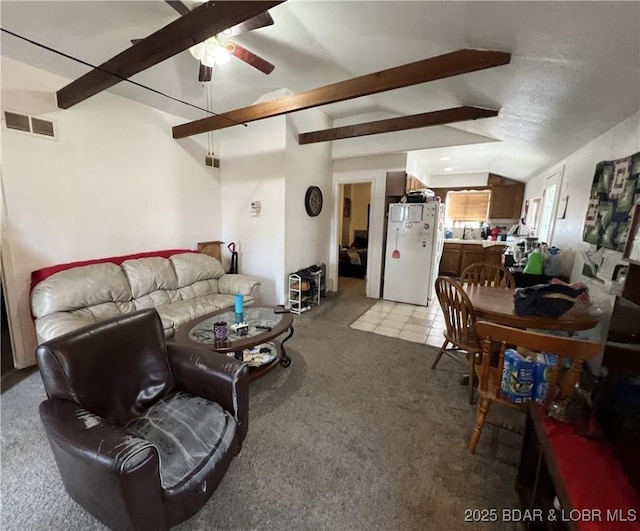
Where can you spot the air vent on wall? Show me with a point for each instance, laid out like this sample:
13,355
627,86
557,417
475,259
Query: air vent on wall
42,127
29,124
19,122
211,162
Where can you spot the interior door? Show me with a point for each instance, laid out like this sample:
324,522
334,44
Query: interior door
549,206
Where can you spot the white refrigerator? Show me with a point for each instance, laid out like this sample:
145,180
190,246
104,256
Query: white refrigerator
415,238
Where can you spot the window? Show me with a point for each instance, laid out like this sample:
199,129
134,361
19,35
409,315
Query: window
469,206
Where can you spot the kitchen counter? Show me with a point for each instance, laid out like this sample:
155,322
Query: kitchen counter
484,243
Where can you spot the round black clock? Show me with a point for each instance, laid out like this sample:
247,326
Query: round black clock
313,201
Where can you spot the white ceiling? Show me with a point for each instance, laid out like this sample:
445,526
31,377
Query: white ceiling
574,73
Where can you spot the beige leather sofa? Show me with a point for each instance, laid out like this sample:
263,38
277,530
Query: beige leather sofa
181,287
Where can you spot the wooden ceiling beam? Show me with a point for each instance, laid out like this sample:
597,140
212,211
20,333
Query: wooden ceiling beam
443,66
415,121
199,24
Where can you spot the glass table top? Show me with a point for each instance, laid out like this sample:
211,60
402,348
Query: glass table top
202,332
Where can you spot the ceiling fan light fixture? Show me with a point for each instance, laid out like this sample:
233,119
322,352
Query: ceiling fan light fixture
221,55
208,60
210,46
198,51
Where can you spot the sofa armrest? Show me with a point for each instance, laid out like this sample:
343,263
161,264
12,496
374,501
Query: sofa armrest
106,469
213,376
58,323
232,283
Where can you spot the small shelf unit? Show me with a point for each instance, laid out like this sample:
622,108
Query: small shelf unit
304,293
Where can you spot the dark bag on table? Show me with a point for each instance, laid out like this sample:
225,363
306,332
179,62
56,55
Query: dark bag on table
549,300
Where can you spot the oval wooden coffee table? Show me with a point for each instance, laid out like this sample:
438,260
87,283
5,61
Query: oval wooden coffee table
264,327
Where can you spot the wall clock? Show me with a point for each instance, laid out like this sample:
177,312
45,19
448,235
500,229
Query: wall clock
313,201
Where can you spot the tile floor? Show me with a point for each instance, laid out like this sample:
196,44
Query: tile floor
419,324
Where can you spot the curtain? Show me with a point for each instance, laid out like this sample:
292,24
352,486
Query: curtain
468,205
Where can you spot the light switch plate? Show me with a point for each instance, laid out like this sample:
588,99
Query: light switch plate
256,207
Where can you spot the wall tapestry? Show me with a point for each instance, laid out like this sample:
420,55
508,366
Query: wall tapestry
614,192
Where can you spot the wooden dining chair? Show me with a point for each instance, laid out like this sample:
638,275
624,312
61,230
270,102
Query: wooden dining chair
487,274
460,319
495,338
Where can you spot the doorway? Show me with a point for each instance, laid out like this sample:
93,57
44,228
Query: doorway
549,206
353,230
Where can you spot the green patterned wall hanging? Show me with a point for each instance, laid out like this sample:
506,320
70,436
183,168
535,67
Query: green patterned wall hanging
614,192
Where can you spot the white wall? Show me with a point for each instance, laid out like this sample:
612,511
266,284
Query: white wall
392,162
579,168
458,179
115,182
416,168
360,197
306,238
252,165
264,162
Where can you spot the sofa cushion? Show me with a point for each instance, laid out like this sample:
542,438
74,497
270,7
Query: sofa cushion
191,267
147,275
156,298
200,288
80,287
187,431
177,314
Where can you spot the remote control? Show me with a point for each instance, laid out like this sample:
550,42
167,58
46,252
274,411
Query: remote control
263,327
280,310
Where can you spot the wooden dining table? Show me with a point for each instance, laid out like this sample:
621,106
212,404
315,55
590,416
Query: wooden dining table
496,305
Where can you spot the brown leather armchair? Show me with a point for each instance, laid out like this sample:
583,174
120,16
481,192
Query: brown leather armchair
142,430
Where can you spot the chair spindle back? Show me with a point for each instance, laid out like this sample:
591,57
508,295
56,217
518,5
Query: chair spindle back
487,274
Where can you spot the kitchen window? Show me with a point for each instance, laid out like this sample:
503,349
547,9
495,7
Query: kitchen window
467,208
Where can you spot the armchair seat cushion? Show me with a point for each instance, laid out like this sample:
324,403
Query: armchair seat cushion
188,431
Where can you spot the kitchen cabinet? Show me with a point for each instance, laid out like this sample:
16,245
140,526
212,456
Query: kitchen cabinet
470,255
450,261
396,183
457,256
493,254
506,201
442,193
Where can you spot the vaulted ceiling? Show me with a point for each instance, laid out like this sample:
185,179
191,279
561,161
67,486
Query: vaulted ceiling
574,72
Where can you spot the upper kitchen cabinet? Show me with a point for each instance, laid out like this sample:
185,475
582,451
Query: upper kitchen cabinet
506,201
396,183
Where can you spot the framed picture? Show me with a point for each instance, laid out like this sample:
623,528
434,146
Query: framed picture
632,248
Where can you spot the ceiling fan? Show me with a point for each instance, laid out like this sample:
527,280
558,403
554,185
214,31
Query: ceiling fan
218,50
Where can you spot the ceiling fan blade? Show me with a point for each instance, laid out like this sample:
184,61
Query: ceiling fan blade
250,58
259,21
205,73
178,6
198,25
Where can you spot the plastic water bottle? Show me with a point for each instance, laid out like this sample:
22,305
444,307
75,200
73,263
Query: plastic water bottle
239,307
